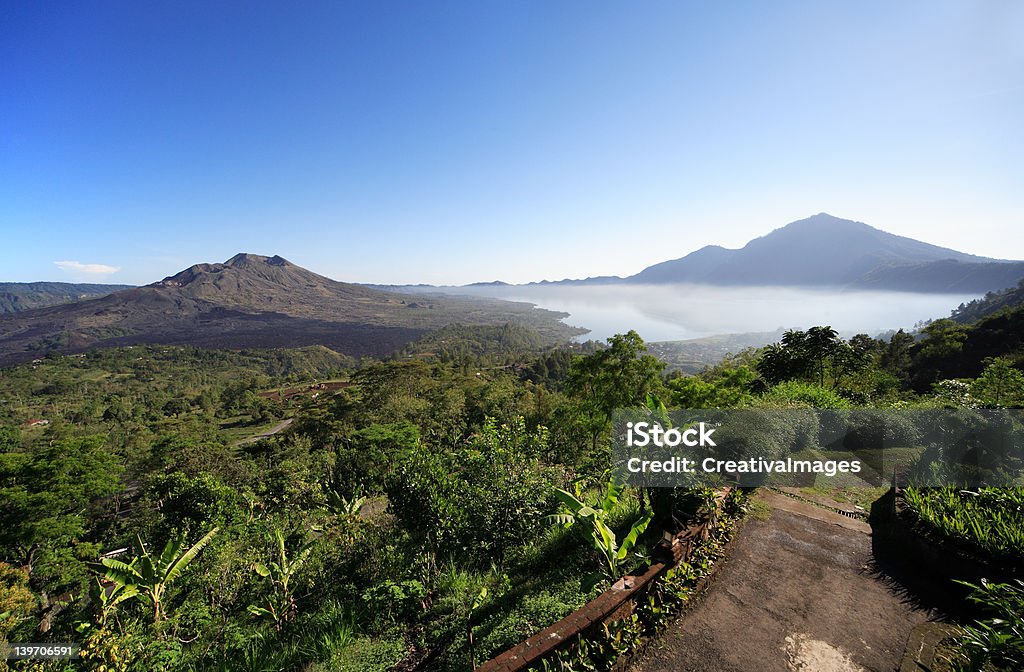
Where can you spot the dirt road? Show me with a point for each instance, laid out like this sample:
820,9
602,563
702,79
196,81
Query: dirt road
798,593
279,427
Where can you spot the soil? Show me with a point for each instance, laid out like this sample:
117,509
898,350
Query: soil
799,592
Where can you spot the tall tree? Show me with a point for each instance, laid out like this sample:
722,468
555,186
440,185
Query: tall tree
46,496
1000,384
619,376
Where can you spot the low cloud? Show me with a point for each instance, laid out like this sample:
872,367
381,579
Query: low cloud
77,268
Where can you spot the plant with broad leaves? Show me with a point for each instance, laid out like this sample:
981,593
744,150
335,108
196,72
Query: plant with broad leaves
593,516
280,606
147,576
996,642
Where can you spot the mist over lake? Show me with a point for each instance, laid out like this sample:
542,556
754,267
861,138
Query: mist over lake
679,312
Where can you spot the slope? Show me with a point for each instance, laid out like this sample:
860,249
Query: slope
256,301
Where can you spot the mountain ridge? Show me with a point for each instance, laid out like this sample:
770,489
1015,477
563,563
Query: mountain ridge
16,297
821,251
257,301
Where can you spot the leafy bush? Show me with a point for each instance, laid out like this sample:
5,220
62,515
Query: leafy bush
989,521
796,392
997,642
393,601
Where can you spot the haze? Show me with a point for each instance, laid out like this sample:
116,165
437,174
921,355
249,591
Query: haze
680,312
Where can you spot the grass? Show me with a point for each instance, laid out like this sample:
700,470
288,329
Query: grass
759,510
878,466
863,497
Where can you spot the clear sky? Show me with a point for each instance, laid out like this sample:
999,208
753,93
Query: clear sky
447,142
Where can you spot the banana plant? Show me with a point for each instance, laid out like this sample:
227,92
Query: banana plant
593,517
477,602
108,598
280,606
147,576
340,505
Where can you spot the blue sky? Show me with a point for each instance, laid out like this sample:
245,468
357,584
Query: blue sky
455,142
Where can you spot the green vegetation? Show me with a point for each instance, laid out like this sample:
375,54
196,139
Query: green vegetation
148,576
665,599
992,302
989,521
995,643
593,516
403,513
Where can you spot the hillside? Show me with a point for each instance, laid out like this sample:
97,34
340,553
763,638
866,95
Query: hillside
821,251
256,301
951,350
828,251
18,296
695,354
993,302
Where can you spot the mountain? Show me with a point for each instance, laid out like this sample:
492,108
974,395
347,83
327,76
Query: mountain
257,301
821,251
18,296
828,251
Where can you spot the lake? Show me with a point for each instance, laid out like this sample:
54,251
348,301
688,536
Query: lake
678,312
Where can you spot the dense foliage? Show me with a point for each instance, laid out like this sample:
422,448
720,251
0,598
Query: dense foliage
179,508
989,521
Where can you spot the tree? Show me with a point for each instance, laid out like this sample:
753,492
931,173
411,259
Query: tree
942,339
619,376
149,575
821,345
896,355
730,387
816,356
999,384
46,496
17,603
474,502
506,488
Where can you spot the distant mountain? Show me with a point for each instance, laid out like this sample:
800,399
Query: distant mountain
257,301
821,251
828,251
18,296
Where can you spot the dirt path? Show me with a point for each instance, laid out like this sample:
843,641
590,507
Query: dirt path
797,593
279,427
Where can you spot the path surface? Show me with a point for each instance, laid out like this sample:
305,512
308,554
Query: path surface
279,427
797,593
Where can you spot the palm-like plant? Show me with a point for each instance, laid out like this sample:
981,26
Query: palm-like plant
148,575
594,517
340,505
106,599
280,607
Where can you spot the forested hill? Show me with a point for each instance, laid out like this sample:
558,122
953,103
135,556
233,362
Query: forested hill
19,296
991,303
950,350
